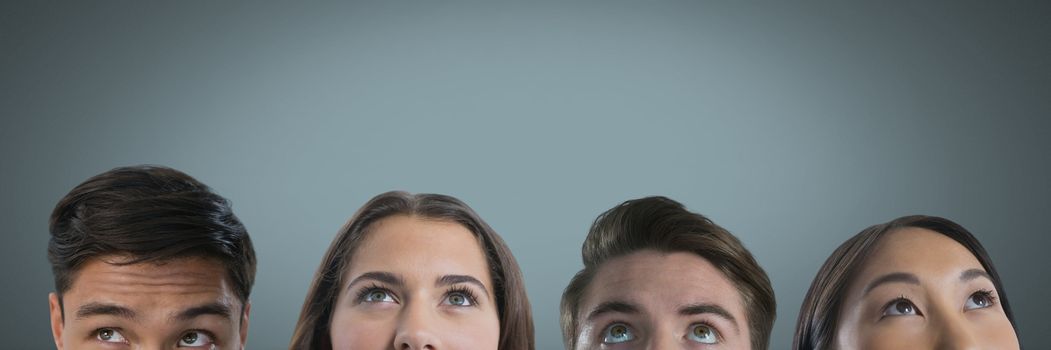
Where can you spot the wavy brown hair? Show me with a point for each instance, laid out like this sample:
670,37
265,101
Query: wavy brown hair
819,315
516,321
665,225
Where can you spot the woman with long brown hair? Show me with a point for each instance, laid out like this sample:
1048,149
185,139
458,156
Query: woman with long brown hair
417,272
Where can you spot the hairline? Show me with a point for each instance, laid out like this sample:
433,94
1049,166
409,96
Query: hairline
210,258
592,272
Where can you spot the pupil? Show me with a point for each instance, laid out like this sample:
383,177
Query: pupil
377,295
700,331
979,300
190,338
106,334
904,307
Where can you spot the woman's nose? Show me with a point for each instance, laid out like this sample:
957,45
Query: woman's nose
957,332
417,329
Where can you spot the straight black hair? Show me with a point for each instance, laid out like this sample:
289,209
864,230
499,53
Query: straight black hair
147,214
819,315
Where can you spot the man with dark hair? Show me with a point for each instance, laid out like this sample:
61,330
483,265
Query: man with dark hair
147,257
657,276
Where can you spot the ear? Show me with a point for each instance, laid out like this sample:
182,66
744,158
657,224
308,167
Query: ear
244,323
56,318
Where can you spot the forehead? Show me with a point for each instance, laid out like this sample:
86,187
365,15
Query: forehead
661,283
147,287
922,252
419,247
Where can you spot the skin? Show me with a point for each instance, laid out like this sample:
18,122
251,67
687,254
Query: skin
185,303
405,289
650,294
944,306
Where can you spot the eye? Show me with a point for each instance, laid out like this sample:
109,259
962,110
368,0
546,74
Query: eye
617,333
459,298
109,335
703,333
980,300
195,339
376,295
900,307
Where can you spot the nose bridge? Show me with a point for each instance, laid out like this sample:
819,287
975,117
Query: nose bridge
416,325
955,330
662,337
151,346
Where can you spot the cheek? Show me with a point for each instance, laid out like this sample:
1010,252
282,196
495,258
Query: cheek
480,332
349,331
995,331
894,335
857,330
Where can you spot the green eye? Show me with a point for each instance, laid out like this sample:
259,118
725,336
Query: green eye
703,333
617,333
458,299
377,296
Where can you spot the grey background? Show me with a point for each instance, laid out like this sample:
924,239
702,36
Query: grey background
793,125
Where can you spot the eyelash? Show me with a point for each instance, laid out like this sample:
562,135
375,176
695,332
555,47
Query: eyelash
471,297
364,292
895,301
988,294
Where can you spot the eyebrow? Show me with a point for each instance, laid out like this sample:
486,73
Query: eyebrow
893,277
448,280
385,277
973,274
612,306
103,309
216,309
698,309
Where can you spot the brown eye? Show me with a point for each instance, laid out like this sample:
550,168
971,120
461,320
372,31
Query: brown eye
904,307
109,335
704,334
979,300
194,339
900,307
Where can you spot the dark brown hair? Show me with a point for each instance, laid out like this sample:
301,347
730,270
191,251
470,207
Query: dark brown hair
148,214
665,225
819,315
516,321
